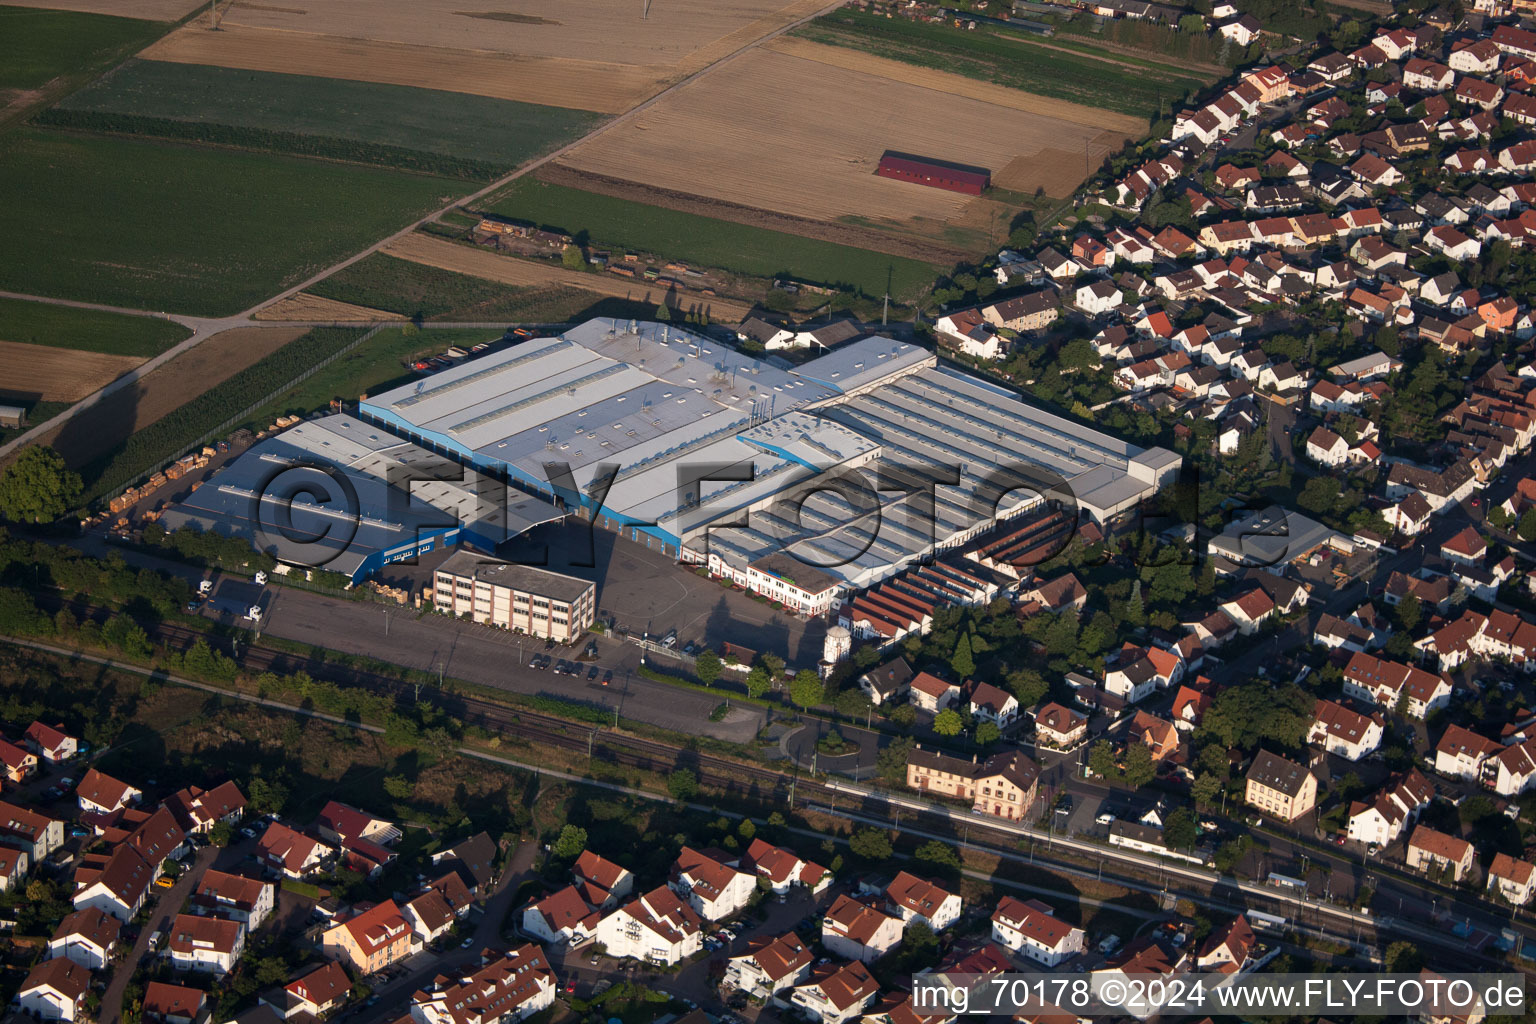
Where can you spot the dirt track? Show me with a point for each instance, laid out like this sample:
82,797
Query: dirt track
462,259
51,374
98,428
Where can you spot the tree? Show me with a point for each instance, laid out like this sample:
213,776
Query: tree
962,662
1180,831
903,716
948,722
1402,958
891,761
1320,495
1140,769
221,833
663,314
807,689
939,856
1029,687
1192,24
38,487
774,664
987,733
399,787
1410,612
871,844
1206,789
757,681
1527,527
707,667
572,841
683,784
572,258
1101,760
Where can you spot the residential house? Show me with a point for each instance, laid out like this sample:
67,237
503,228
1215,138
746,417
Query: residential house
713,889
1059,727
236,897
318,993
290,852
37,834
1227,950
51,743
769,966
430,916
783,869
1388,814
562,916
1435,852
508,988
1344,732
855,930
54,990
602,878
930,693
173,1004
1279,787
886,682
209,944
88,937
1390,684
988,703
99,793
1512,879
1032,929
371,939
656,927
115,883
836,993
197,810
916,899
1461,753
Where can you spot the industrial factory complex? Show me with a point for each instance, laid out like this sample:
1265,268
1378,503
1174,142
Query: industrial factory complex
841,470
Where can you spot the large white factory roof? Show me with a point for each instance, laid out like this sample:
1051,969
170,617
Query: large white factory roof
657,402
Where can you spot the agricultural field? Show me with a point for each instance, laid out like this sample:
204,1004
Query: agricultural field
414,129
143,403
771,131
421,291
1139,87
37,372
380,363
544,274
305,306
87,330
151,225
41,45
709,241
49,52
178,427
602,57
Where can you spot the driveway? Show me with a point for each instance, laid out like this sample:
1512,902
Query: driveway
164,905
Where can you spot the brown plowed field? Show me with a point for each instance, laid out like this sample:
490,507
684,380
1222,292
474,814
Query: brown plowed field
196,370
842,234
553,81
801,136
305,306
598,55
463,259
58,374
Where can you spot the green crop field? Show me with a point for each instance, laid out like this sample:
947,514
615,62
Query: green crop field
418,129
38,323
1143,89
740,248
40,46
421,292
151,225
380,363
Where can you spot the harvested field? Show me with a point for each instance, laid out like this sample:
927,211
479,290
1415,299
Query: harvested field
772,131
841,234
58,374
305,306
599,55
462,259
957,85
153,10
552,81
99,428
